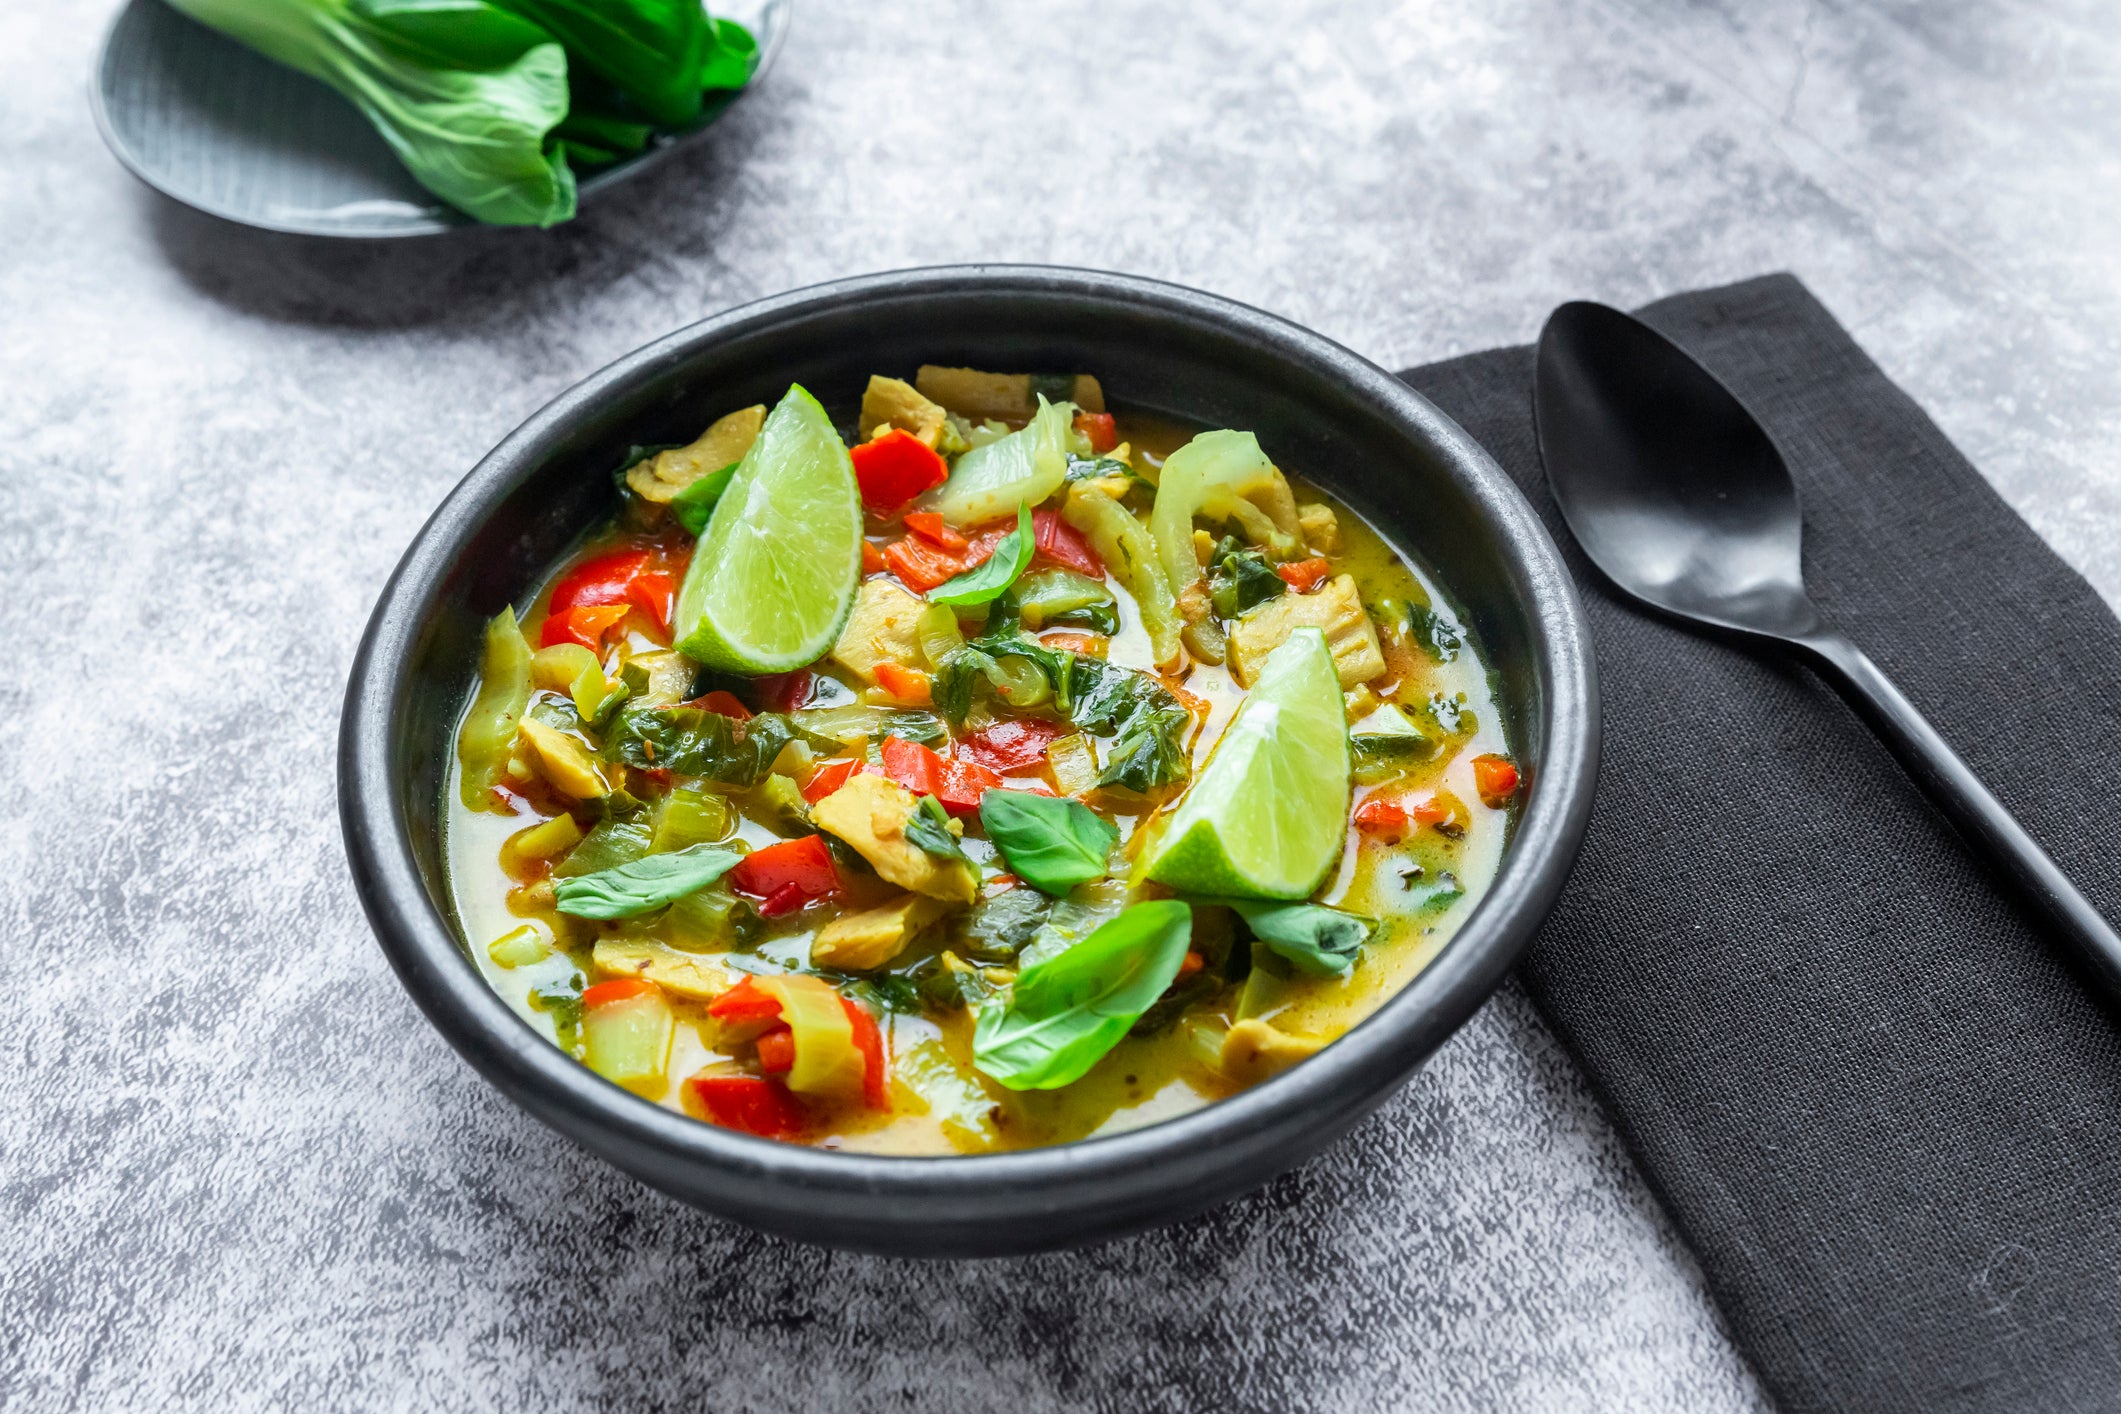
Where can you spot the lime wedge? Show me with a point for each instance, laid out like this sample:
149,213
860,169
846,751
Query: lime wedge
773,578
1268,814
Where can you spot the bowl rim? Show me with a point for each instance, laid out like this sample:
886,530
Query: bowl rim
422,944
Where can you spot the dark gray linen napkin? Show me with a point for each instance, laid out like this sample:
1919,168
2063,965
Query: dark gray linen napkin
1882,1110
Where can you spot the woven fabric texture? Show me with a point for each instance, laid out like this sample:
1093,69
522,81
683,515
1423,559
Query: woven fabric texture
1880,1106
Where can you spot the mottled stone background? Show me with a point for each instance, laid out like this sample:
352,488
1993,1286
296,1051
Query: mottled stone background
238,1170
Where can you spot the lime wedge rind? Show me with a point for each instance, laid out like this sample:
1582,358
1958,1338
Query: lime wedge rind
1267,816
773,578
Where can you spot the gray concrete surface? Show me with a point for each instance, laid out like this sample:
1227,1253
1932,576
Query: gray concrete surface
239,1171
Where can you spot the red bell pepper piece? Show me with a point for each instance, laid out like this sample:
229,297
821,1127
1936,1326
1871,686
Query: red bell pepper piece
829,778
1062,544
617,990
936,531
777,1050
746,1001
1101,428
1496,780
651,592
585,624
1013,744
749,1104
787,875
964,782
913,766
606,579
785,692
876,1072
724,703
920,564
1303,575
894,468
872,559
1389,814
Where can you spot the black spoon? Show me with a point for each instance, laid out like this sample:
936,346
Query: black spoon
1676,493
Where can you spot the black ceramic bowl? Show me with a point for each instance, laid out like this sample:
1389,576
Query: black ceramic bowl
1337,418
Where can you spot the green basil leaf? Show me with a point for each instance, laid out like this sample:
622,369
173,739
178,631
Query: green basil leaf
1050,842
692,506
644,885
1066,1012
1319,940
929,828
985,582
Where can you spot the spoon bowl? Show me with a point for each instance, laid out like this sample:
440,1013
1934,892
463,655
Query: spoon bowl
1679,496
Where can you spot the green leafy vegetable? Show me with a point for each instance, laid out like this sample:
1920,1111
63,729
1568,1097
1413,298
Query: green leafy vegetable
998,928
562,1001
693,741
929,829
1066,1012
1051,842
880,992
1320,940
692,506
986,581
1241,579
644,885
1423,892
489,729
607,846
653,51
1058,598
465,93
1149,751
1380,756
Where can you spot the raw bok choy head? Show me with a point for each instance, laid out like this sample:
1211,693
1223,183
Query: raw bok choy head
466,93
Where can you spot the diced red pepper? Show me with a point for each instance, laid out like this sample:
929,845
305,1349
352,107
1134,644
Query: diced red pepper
1496,780
1062,544
723,702
777,1050
908,685
1303,575
1101,428
606,579
746,1001
894,468
829,778
651,593
585,624
785,692
938,532
876,1071
913,766
872,558
1013,744
964,782
786,875
1191,963
1390,814
619,989
750,1105
920,564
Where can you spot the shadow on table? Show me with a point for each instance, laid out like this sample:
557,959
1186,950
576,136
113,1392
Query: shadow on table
461,278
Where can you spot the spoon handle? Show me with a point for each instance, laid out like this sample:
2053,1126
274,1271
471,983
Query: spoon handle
1980,817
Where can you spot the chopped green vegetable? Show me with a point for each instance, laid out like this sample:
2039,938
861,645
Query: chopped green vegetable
989,579
465,93
693,741
519,947
1242,579
489,729
1065,1013
1209,475
845,725
1149,751
1052,843
1129,551
693,505
691,817
928,828
1058,598
883,993
1317,939
1020,469
610,844
644,885
998,928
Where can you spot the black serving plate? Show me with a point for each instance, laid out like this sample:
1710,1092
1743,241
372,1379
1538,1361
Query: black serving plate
1345,423
204,120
